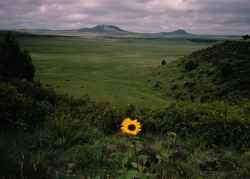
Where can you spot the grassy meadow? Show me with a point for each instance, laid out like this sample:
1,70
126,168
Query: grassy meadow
189,130
108,70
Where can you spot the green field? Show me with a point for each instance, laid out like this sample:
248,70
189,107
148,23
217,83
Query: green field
108,70
203,132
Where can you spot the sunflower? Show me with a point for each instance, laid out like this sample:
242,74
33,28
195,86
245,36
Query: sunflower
130,127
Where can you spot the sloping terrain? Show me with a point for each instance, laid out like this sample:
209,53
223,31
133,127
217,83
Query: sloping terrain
218,72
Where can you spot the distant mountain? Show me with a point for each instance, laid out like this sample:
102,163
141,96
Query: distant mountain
178,33
111,31
103,29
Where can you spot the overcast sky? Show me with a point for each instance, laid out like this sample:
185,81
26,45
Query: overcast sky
197,16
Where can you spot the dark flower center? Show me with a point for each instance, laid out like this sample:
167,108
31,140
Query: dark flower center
131,127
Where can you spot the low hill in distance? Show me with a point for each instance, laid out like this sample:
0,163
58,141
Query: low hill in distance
178,33
218,72
104,29
111,31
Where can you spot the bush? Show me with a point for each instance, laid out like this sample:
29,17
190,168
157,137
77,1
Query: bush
246,37
163,62
14,62
190,65
19,109
215,123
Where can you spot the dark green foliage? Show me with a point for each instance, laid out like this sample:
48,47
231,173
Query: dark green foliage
214,123
232,63
190,65
203,40
24,108
246,37
73,137
157,84
218,72
163,62
14,62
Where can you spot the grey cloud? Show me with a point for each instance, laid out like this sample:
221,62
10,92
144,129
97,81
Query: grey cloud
197,16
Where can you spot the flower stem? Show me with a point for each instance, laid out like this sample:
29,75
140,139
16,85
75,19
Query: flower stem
136,159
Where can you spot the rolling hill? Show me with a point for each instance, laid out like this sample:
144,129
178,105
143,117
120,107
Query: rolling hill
218,72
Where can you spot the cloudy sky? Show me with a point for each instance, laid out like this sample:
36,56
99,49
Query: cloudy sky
197,16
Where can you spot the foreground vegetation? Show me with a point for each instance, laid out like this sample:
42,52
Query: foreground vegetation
49,135
44,135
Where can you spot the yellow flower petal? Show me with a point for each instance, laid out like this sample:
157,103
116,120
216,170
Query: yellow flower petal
126,127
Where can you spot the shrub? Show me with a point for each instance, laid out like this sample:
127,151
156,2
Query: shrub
163,62
190,65
19,109
215,122
14,62
246,37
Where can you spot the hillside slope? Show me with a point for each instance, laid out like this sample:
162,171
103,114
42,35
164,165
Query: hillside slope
218,72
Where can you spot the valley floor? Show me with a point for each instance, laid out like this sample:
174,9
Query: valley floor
108,70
